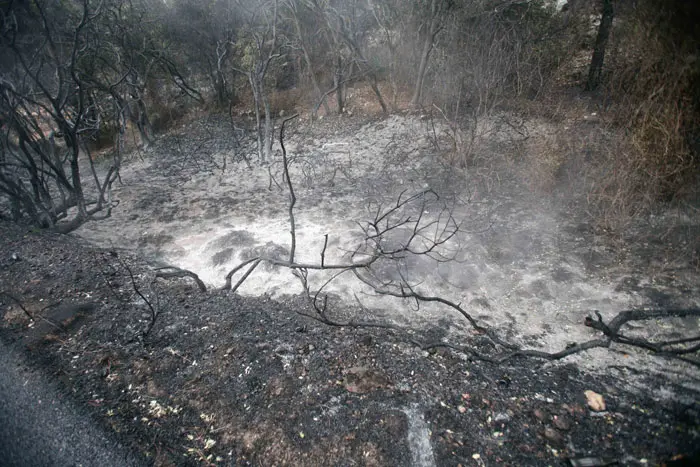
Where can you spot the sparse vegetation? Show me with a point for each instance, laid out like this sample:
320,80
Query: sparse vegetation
470,60
480,163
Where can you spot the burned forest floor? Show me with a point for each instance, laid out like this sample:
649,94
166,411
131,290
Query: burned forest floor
190,377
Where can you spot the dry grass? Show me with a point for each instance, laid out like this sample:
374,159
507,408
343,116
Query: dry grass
286,102
545,159
651,112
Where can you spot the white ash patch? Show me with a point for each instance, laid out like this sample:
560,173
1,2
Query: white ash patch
518,265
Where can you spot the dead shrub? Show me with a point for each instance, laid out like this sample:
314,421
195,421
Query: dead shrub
545,158
650,101
616,188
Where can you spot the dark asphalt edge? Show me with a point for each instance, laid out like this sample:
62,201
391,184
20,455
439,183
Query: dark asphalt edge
40,424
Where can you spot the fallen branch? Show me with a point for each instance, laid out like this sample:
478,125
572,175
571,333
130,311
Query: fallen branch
153,310
403,229
504,357
169,272
227,285
245,276
612,330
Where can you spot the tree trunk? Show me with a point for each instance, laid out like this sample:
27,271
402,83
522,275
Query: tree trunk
143,123
309,65
422,68
596,69
437,8
314,81
392,52
338,83
375,88
268,133
256,103
263,116
363,64
221,84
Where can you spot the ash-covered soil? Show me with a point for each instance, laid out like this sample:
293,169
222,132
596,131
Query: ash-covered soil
526,259
231,380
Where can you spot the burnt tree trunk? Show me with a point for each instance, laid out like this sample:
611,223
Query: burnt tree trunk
220,82
596,69
338,83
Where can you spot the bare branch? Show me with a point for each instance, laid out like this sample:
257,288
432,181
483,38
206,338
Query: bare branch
169,272
292,196
245,276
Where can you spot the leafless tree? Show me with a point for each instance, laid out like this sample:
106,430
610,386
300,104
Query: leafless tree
72,72
47,94
205,34
345,27
297,9
261,46
433,24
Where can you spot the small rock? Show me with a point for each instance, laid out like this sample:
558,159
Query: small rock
595,401
590,462
574,409
505,382
153,390
553,435
525,448
362,380
562,422
501,417
540,414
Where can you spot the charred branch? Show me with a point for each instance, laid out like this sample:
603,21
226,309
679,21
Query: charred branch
170,272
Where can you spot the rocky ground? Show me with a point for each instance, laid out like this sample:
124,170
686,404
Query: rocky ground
214,379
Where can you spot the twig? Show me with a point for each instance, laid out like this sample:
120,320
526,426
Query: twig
227,285
272,179
245,276
323,252
154,313
612,330
31,316
292,196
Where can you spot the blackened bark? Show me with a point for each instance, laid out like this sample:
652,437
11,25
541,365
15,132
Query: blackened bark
601,42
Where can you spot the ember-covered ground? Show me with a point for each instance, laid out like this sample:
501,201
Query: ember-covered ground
230,380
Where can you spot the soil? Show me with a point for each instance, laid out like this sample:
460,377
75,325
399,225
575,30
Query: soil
212,378
231,380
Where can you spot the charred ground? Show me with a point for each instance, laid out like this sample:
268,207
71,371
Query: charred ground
228,380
